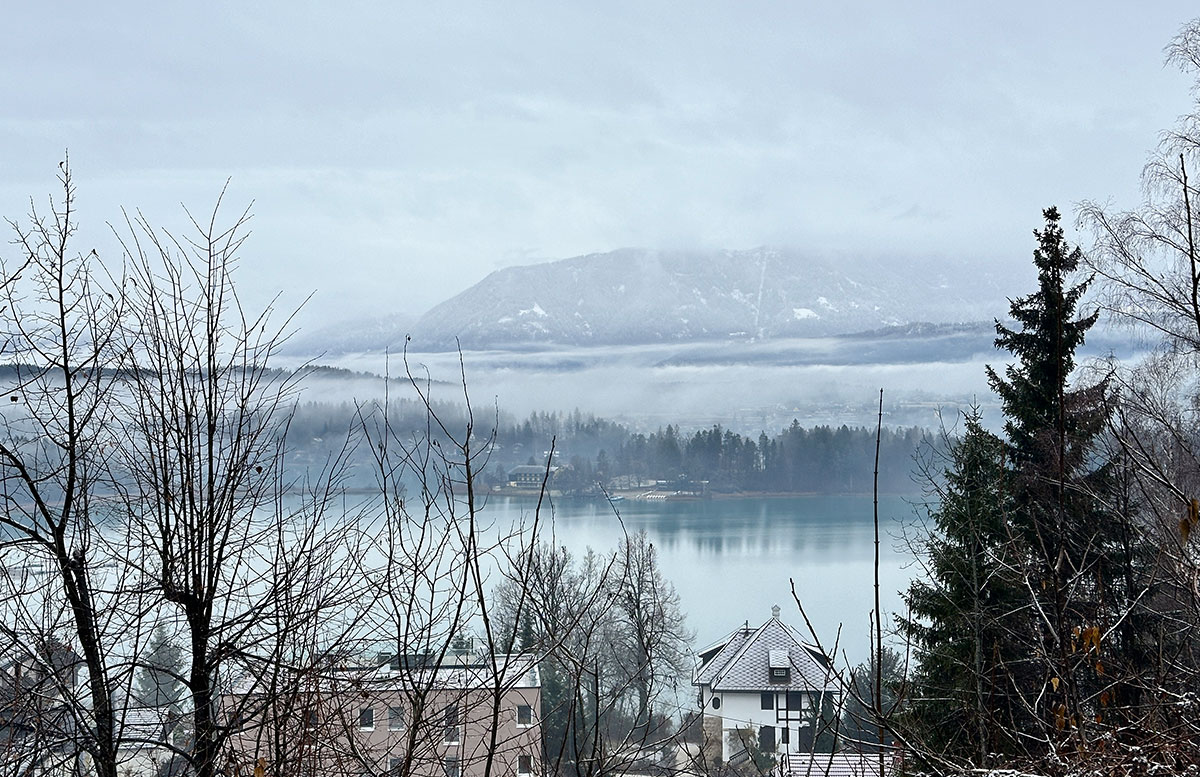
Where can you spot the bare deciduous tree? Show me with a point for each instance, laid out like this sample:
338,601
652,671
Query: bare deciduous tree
143,463
614,644
60,568
1149,270
253,564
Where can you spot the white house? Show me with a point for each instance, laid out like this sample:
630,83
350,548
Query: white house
763,691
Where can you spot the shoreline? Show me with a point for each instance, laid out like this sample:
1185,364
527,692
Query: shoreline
641,495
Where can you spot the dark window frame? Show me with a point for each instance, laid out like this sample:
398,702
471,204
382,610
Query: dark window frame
452,735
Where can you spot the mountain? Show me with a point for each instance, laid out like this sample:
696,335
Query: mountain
637,296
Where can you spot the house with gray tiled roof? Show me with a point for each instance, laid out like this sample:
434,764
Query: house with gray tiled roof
765,692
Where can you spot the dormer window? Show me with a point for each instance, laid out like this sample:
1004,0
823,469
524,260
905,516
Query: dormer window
780,665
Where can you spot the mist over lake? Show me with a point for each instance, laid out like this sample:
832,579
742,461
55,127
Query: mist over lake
746,386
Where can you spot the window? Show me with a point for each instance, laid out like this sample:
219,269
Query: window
450,767
768,700
785,735
395,718
716,702
453,735
781,666
310,718
524,715
366,718
396,765
766,739
524,764
795,700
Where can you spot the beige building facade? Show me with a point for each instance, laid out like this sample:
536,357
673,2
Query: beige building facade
467,716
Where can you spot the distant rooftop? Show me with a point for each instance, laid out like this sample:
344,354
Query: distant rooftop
742,661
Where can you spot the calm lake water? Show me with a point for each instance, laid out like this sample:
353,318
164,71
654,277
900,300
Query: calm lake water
731,560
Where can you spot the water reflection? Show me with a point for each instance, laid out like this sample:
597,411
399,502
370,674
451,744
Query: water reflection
731,560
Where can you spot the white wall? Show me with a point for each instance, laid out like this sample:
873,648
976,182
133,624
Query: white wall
744,708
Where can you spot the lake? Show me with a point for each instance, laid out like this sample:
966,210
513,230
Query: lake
731,560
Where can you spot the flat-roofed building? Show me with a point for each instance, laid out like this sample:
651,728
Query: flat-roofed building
409,716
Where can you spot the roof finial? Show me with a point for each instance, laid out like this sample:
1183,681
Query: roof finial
775,611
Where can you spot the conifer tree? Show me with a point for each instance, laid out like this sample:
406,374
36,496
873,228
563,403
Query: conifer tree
1074,545
858,727
961,614
1026,630
158,681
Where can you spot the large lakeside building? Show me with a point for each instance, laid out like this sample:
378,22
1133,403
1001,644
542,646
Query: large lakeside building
402,715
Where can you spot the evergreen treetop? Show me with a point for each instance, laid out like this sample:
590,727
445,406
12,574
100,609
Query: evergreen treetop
157,683
1034,390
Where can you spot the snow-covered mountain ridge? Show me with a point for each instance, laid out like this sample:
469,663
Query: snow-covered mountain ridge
637,296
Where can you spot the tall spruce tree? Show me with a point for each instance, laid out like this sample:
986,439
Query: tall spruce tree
1073,544
960,616
859,728
158,682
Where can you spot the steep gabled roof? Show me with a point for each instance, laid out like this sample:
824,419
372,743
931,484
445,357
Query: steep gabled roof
717,655
743,661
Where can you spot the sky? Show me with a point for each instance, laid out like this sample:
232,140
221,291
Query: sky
395,153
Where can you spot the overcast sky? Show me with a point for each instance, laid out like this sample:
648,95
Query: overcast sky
398,152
